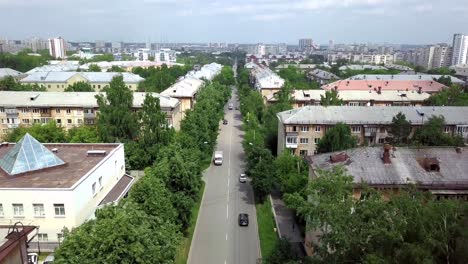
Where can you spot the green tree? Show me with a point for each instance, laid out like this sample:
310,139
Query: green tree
337,138
10,84
115,68
451,96
121,234
226,76
116,120
291,172
432,134
442,71
22,61
331,98
45,133
94,68
83,134
400,128
262,178
79,87
445,80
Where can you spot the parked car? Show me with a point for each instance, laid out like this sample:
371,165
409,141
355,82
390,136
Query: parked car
49,259
225,122
230,106
242,177
243,219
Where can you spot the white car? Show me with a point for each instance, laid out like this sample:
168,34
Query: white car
32,258
243,177
49,259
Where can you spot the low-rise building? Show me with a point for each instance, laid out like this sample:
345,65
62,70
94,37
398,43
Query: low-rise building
207,72
419,85
302,98
185,91
165,56
58,81
70,109
321,76
405,77
58,186
265,80
300,129
5,72
359,67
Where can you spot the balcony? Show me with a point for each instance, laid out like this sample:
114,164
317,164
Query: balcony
11,112
370,131
12,125
291,141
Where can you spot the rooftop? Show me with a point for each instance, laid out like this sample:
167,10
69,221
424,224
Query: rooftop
403,77
77,165
406,166
186,87
359,96
119,190
399,85
359,67
372,114
4,72
266,78
71,99
323,74
93,77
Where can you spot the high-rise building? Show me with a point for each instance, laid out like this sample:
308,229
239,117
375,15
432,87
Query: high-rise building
306,44
460,49
331,45
165,55
442,56
57,47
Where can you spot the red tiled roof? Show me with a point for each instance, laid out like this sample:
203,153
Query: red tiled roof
425,86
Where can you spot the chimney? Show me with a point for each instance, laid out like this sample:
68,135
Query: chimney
419,90
386,154
379,91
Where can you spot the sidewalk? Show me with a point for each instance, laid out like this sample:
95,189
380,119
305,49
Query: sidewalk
287,225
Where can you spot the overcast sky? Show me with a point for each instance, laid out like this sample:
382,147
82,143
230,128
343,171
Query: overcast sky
241,21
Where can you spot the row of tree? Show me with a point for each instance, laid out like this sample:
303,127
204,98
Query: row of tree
297,78
408,227
159,79
9,83
22,61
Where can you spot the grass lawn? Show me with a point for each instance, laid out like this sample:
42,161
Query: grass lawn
266,223
184,247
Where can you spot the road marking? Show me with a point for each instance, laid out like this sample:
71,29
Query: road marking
227,211
226,236
228,184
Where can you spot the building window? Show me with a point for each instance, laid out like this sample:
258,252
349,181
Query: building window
304,128
36,121
18,210
57,111
93,187
59,209
48,86
42,237
94,86
59,121
100,183
59,237
36,110
304,140
2,110
356,129
381,140
291,140
1,210
68,111
79,112
38,209
316,140
24,110
99,86
58,85
303,152
25,121
446,129
317,128
69,121
79,121
44,111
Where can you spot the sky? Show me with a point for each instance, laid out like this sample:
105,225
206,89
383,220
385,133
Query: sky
237,21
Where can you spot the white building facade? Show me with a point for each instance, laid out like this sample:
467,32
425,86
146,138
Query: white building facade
165,56
460,49
57,48
62,195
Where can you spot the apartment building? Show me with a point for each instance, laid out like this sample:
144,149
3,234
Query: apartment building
58,81
405,77
185,91
57,48
366,58
165,56
58,186
460,49
300,129
302,98
379,85
265,80
321,76
67,109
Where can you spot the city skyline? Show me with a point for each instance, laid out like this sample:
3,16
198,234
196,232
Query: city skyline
267,21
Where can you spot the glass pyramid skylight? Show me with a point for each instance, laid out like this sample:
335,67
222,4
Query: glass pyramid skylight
28,155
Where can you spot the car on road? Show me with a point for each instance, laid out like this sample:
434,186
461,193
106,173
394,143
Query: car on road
242,177
49,259
33,258
243,219
230,106
225,122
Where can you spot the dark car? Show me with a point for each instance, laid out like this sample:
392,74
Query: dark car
224,122
243,219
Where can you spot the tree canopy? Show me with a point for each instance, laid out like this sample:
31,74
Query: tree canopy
297,78
79,87
22,61
404,228
331,98
451,96
337,138
432,134
159,79
94,68
10,84
400,128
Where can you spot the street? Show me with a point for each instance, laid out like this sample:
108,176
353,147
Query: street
218,238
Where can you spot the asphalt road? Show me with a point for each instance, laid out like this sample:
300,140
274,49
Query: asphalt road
218,238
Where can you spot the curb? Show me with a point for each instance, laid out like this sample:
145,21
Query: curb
274,216
195,231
